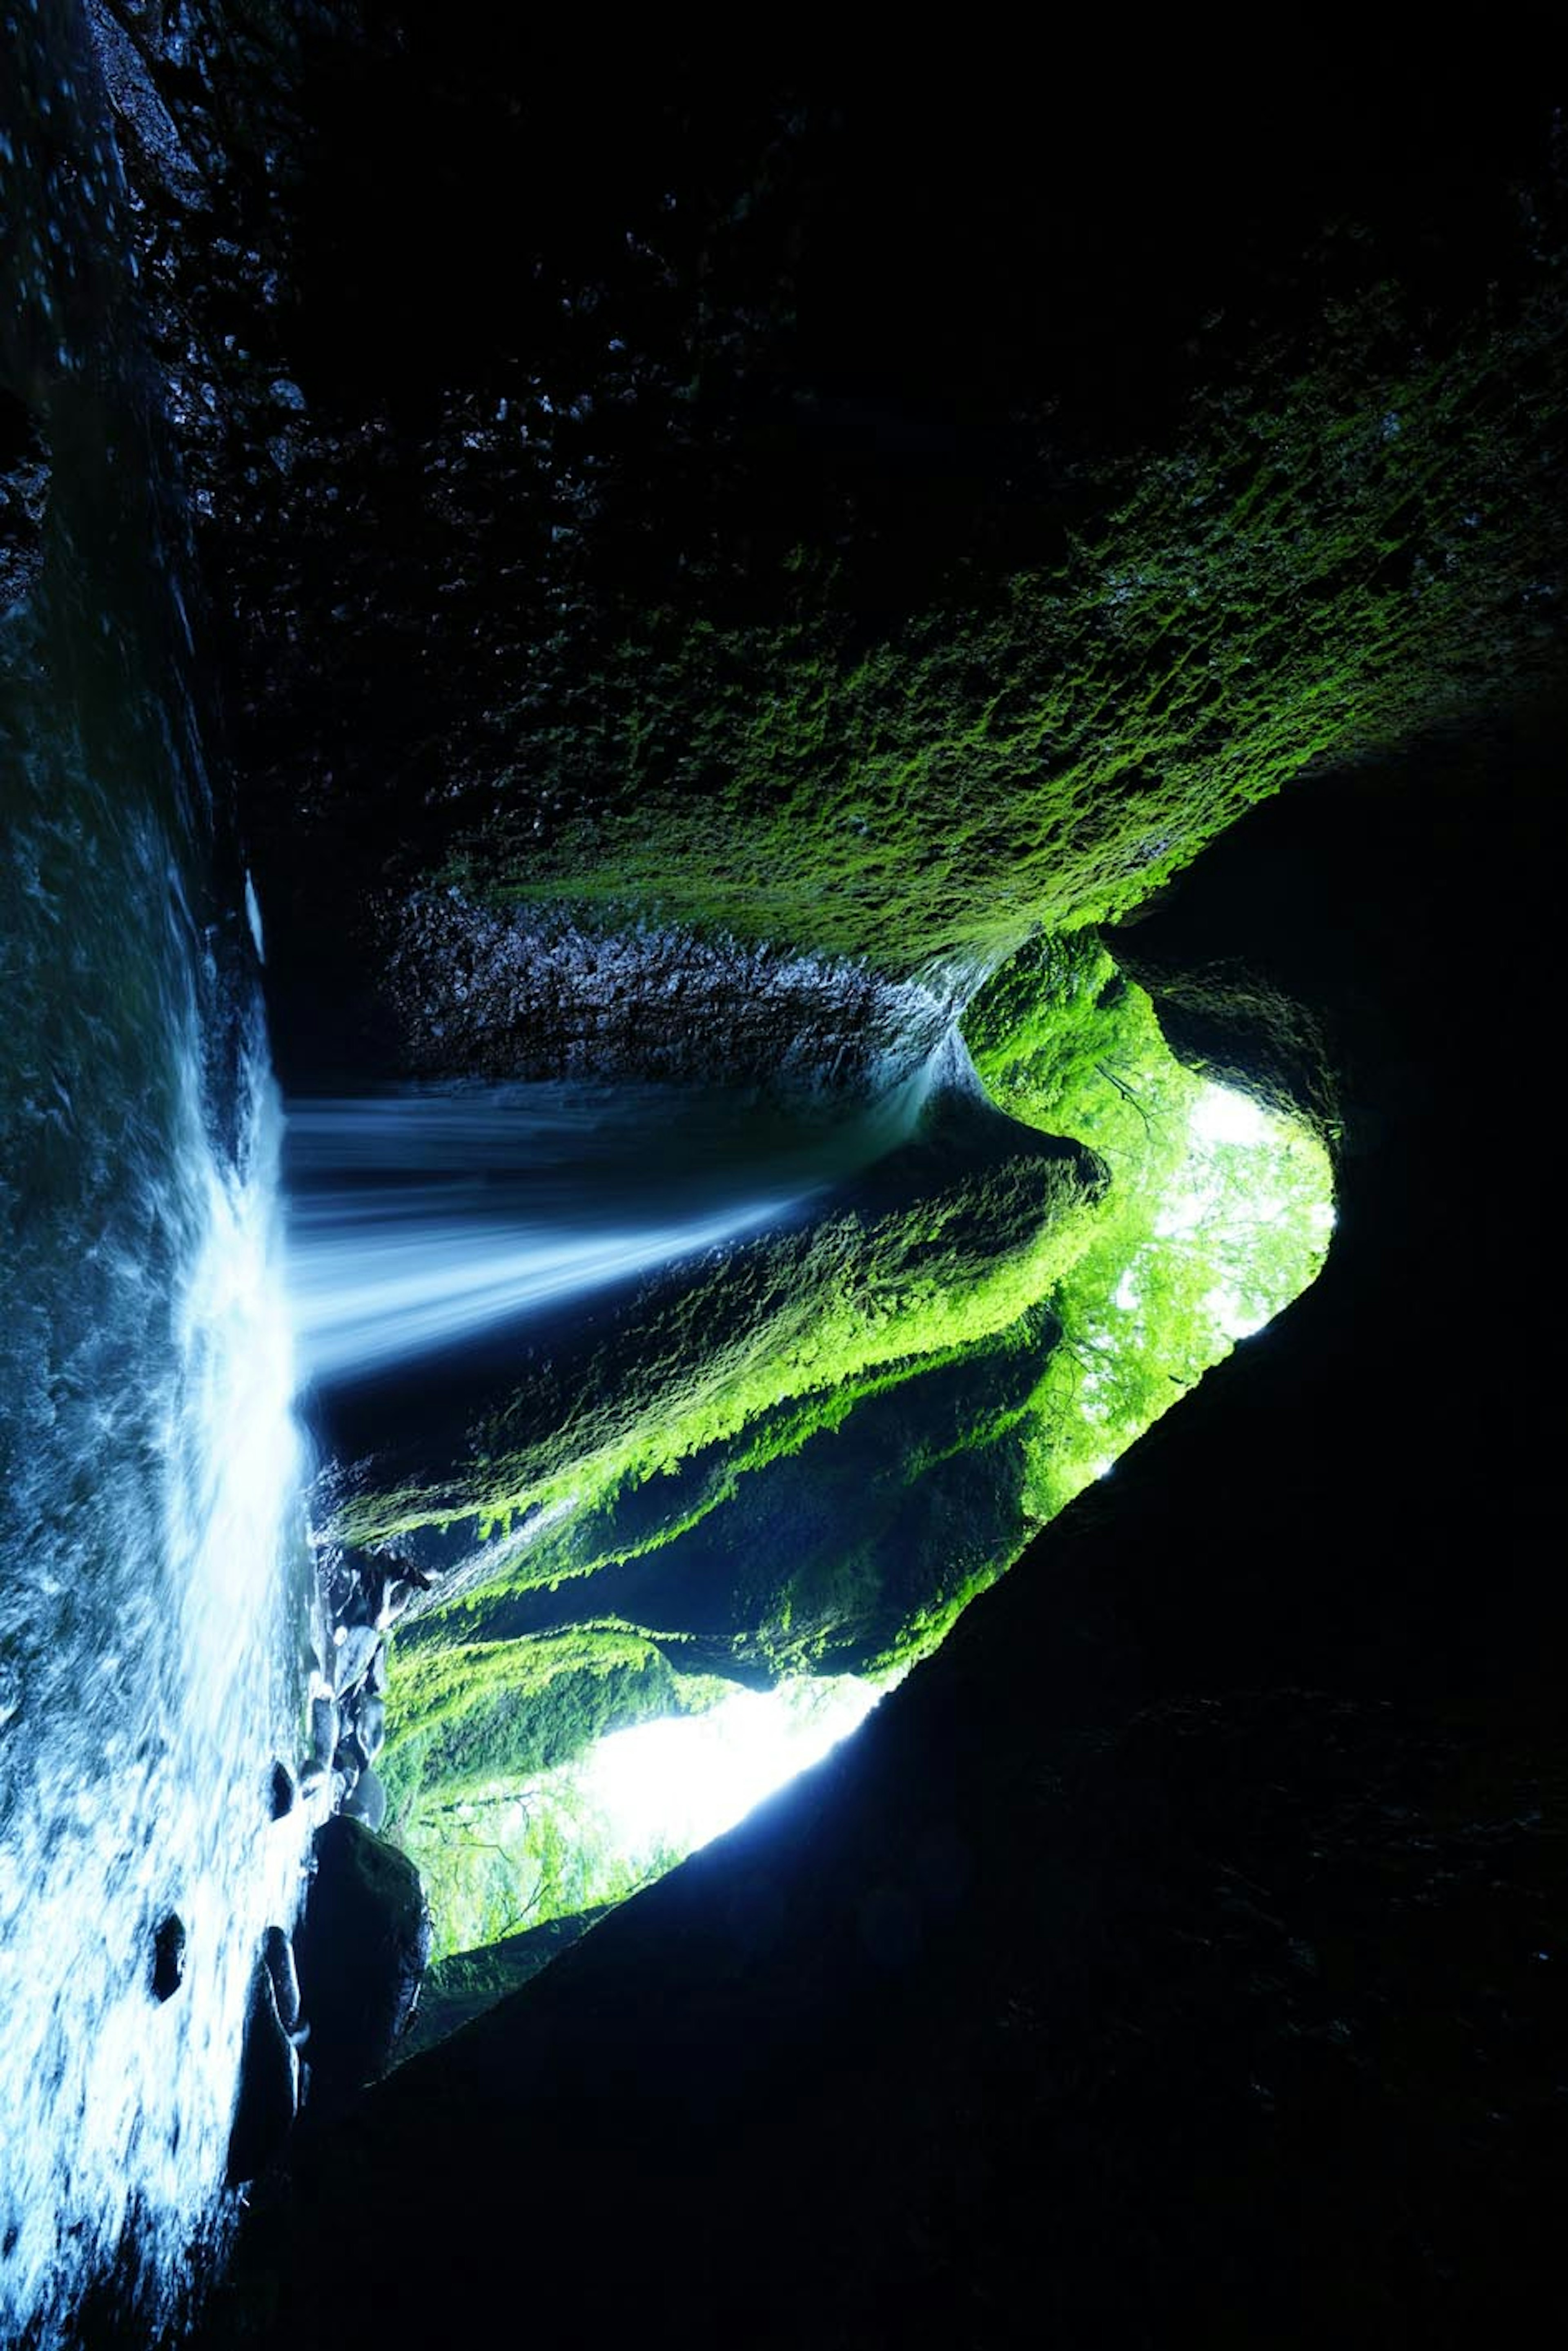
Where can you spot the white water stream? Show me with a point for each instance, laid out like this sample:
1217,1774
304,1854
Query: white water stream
153,1575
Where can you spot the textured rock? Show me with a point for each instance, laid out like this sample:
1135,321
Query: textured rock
367,1799
277,1952
540,994
169,1956
268,2096
362,1948
24,495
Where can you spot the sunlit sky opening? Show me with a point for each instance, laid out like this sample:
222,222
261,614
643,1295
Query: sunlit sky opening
1219,1114
678,1783
1234,1228
510,1855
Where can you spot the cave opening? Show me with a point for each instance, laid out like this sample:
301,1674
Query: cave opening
861,591
557,1737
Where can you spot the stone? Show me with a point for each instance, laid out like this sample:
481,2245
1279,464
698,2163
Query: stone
284,1790
323,1729
268,2098
362,1948
367,1799
278,1953
355,1645
169,1956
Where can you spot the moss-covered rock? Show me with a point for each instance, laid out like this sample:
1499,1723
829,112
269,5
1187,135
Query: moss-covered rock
947,1243
471,1711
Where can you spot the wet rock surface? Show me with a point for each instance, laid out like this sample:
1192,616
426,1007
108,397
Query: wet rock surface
269,2083
24,497
362,1948
169,1956
488,991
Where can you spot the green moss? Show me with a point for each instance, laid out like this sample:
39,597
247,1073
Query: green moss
1346,549
476,1710
805,1317
1061,1041
1198,1235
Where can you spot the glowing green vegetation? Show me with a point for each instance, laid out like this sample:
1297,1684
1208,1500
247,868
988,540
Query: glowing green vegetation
1341,553
498,1856
816,1314
1239,1229
473,1708
1218,1212
713,1378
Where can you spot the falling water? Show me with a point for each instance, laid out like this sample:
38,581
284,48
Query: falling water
419,1218
151,1562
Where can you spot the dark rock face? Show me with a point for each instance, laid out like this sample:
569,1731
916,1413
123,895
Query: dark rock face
268,2083
362,1948
486,991
468,1983
169,1956
24,495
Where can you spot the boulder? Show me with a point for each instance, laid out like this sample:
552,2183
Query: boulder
362,1949
278,1953
268,2095
354,1648
168,1956
367,1799
323,1728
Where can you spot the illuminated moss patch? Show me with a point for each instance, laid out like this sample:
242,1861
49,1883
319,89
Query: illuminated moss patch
1238,1229
1346,548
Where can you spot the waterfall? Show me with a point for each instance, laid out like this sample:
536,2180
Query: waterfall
146,1630
154,1573
422,1217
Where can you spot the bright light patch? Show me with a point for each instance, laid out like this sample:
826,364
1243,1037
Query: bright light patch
678,1783
1221,1115
511,1855
252,916
1225,1217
